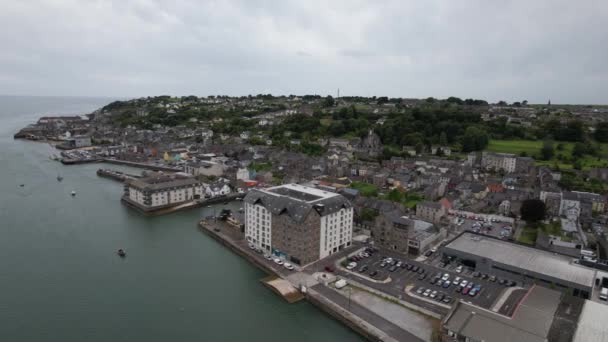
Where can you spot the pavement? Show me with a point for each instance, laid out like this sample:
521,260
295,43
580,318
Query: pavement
367,315
401,278
415,323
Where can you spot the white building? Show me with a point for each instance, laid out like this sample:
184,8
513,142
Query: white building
299,223
159,190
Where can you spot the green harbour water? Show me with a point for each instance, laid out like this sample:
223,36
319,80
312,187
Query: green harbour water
60,277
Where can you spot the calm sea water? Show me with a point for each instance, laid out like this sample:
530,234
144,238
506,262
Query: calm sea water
60,279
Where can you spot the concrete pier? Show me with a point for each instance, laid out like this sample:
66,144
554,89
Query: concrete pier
358,318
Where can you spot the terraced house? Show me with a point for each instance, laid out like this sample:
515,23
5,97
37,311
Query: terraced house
300,223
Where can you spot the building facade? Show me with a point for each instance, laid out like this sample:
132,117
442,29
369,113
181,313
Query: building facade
158,191
301,224
430,211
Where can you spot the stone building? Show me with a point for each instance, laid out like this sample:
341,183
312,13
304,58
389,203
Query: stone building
298,223
430,211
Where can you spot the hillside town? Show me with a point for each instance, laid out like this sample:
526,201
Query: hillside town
439,199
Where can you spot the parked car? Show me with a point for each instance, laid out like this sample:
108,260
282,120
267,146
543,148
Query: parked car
420,290
464,283
472,293
404,265
278,261
383,264
329,269
502,281
427,292
457,281
434,280
440,296
445,276
373,273
511,283
421,270
476,274
362,268
409,267
459,269
422,276
447,284
268,256
399,264
288,266
428,254
492,278
484,276
440,282
415,268
459,289
433,294
392,268
447,299
351,265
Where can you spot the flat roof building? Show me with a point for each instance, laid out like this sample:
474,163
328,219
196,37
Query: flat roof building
522,263
158,190
532,321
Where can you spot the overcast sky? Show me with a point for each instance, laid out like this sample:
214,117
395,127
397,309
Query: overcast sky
512,50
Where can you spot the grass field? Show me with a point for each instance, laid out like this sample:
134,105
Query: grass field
532,149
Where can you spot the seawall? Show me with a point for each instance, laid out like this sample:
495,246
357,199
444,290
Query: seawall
334,310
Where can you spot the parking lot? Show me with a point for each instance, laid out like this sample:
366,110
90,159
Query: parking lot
404,275
482,225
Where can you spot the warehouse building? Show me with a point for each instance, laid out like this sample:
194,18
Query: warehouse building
521,263
300,223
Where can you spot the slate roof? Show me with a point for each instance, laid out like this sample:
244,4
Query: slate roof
280,201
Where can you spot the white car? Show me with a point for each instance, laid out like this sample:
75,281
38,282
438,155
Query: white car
268,256
278,261
445,277
464,283
433,294
288,266
427,292
252,246
459,269
351,265
457,281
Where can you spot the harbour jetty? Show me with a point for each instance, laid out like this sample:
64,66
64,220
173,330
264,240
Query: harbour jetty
232,238
115,175
147,166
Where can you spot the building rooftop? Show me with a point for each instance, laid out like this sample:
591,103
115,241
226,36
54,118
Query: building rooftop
301,193
297,201
158,181
531,321
528,258
592,323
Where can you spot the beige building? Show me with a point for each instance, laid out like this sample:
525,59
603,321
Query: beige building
430,211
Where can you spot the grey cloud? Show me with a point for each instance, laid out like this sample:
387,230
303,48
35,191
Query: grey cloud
510,50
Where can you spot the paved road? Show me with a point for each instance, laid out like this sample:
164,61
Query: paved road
387,327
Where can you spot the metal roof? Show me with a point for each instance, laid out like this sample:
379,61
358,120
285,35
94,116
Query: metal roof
592,323
531,322
535,260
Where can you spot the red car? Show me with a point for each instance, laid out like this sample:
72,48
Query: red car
329,269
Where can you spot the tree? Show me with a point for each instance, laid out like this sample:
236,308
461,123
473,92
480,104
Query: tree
601,132
453,99
532,210
443,139
546,152
501,103
474,139
329,101
579,150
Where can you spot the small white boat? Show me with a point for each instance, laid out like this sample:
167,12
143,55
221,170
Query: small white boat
73,193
